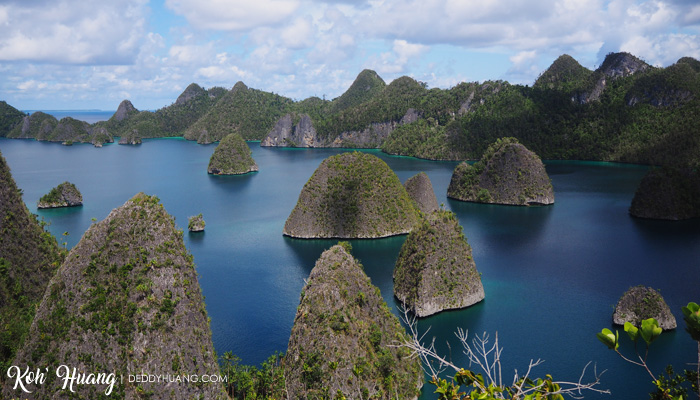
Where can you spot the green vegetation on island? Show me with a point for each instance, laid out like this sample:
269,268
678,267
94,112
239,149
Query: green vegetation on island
125,300
639,303
196,223
63,195
341,342
352,195
248,112
29,256
626,110
508,173
668,193
435,270
232,156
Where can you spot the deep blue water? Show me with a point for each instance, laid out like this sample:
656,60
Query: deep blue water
552,274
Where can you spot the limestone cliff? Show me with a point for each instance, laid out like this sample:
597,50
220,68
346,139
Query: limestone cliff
435,270
125,301
615,66
287,134
508,173
29,256
342,340
131,138
639,303
232,157
37,125
63,195
124,111
303,134
352,195
420,189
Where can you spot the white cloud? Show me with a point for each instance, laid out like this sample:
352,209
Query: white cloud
71,31
233,14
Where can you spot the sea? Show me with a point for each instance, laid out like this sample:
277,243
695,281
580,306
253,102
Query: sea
551,274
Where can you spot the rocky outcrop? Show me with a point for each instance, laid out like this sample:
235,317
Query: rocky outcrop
38,126
192,91
126,301
133,138
124,111
435,270
100,136
29,256
508,173
303,134
343,337
615,66
196,223
286,134
63,195
420,189
639,303
352,195
667,193
374,135
232,157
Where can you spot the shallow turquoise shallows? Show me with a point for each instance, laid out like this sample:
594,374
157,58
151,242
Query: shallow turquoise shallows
551,274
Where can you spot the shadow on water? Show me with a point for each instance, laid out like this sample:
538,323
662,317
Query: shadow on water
196,237
518,226
239,181
686,231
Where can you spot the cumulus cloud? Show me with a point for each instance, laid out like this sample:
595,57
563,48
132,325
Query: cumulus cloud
314,47
71,31
233,15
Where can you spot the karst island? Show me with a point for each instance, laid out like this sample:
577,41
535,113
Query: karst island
352,195
508,173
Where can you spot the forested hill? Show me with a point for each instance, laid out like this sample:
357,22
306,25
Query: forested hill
625,110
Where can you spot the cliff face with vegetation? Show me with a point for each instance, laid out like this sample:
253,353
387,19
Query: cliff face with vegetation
435,270
340,341
625,110
668,193
173,120
420,189
41,126
232,156
352,195
29,256
248,112
63,195
639,303
508,173
126,300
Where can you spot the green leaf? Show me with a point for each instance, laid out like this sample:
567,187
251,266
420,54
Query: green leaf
608,338
650,330
632,331
691,315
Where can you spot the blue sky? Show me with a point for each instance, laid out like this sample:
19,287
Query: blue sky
80,54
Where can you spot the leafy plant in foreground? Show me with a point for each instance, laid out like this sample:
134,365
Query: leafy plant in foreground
666,389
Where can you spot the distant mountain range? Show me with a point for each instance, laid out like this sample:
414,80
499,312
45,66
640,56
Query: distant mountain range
626,110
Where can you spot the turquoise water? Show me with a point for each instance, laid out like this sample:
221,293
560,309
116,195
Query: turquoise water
552,274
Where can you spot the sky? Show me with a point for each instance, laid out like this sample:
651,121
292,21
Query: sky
92,54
